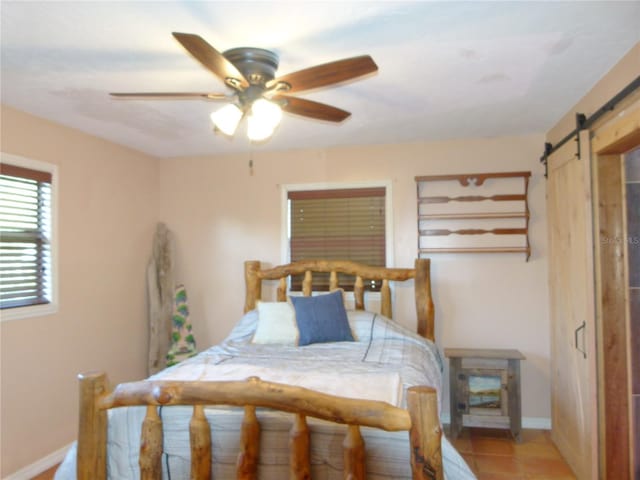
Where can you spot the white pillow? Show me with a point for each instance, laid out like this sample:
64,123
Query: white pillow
276,324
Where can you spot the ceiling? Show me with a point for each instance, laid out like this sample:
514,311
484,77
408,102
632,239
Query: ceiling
446,69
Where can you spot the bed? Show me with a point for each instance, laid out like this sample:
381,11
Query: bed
263,404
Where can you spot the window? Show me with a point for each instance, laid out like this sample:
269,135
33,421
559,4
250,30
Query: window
26,237
338,224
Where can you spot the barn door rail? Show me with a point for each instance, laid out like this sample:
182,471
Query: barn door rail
583,122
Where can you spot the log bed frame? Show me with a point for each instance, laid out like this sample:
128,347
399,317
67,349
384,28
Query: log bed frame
420,418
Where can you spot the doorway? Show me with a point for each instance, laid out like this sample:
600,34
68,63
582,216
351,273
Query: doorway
632,195
616,149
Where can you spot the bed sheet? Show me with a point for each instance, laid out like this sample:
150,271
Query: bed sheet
385,360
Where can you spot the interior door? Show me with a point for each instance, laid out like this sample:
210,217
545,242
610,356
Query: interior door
573,392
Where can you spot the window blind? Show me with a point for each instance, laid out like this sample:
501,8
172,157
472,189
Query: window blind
339,224
25,232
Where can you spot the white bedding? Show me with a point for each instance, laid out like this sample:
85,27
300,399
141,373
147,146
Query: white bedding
385,360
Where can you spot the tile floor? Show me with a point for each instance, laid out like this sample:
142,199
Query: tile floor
47,475
494,455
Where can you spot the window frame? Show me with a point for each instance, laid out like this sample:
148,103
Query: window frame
30,311
285,253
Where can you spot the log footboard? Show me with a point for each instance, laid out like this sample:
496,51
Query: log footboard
420,420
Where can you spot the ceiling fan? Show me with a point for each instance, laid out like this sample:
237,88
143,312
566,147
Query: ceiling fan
259,94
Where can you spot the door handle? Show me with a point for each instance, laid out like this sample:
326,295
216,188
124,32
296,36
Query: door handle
582,350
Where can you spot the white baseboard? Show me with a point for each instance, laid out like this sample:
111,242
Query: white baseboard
539,423
41,465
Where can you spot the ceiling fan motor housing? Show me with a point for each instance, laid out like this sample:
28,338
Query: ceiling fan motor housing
256,64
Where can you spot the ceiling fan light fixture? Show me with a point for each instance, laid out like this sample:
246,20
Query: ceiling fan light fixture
227,118
258,130
268,112
265,117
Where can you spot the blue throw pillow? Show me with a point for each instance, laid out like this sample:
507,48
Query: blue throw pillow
322,319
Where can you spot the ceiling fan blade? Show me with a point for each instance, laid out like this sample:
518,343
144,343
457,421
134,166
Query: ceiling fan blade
212,59
309,108
326,74
170,95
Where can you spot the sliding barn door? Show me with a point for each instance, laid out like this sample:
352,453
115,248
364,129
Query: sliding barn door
573,389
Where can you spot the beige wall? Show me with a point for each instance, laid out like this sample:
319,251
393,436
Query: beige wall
222,216
106,220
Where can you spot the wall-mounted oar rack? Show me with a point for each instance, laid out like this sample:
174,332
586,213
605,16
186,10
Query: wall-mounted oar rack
473,213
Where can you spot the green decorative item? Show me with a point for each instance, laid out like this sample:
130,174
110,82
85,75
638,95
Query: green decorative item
183,344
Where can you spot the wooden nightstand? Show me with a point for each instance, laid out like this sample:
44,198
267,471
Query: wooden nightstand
484,389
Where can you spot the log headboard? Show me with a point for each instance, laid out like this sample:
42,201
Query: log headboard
254,275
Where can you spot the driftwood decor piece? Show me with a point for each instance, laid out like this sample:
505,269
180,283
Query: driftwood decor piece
160,297
420,420
473,213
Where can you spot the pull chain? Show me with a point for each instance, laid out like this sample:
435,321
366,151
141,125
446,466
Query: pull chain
250,159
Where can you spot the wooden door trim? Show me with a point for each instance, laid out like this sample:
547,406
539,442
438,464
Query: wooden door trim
618,136
612,320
